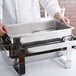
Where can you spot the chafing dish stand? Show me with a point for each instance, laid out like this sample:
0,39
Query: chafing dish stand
49,36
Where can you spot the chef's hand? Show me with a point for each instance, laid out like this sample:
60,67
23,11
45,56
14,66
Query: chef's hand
64,20
59,17
3,29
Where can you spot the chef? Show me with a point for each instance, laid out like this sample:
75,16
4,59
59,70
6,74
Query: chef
27,11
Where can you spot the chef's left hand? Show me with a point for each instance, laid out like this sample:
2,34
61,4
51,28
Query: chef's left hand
65,20
61,18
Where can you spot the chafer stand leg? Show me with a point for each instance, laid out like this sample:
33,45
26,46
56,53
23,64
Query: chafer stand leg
68,52
19,65
21,62
67,58
4,52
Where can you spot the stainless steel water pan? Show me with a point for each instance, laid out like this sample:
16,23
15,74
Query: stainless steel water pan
39,31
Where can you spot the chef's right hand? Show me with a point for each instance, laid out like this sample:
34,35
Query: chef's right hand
3,29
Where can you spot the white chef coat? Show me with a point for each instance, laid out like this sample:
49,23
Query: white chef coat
25,11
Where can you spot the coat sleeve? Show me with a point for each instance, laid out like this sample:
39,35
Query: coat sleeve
51,6
1,4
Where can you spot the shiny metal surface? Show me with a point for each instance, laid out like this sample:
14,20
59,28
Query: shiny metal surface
39,31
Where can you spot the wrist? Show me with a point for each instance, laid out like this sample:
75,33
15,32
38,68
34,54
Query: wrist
58,16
